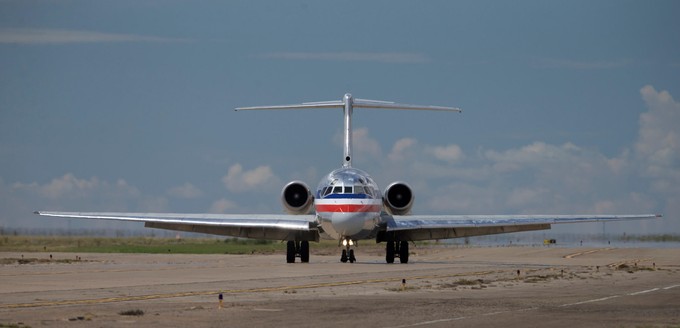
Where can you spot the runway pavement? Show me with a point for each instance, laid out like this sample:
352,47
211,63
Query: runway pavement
445,286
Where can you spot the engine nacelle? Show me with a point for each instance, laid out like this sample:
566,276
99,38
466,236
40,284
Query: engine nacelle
296,198
398,198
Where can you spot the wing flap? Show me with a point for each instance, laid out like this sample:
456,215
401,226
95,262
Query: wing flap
448,233
260,232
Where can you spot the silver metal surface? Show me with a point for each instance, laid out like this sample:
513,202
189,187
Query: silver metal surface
272,221
428,227
347,144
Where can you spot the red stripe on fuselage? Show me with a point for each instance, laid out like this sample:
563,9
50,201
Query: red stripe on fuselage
347,208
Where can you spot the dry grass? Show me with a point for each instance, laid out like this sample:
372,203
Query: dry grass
135,312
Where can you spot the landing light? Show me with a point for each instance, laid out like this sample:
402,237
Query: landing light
351,243
344,242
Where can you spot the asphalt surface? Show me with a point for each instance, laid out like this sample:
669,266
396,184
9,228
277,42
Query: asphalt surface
444,287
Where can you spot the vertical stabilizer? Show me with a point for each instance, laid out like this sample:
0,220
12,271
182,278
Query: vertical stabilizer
347,131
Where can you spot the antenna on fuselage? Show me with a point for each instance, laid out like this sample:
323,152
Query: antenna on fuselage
348,103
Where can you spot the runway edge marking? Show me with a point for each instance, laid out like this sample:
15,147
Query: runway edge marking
573,255
620,295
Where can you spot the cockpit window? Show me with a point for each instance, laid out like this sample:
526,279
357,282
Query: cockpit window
348,183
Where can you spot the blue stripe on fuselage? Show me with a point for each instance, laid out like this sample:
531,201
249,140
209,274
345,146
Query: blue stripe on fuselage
359,196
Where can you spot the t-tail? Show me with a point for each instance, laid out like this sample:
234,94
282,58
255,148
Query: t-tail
348,103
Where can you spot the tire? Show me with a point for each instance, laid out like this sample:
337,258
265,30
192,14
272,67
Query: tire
352,259
403,252
304,252
389,252
290,252
343,258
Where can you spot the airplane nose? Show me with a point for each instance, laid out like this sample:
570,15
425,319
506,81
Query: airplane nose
348,224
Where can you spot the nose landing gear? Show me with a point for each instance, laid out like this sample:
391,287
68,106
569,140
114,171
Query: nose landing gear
348,252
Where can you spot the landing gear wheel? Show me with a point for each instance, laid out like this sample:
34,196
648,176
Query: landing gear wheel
290,252
352,259
403,252
389,252
343,258
304,252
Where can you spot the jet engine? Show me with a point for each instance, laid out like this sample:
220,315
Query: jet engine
296,198
398,198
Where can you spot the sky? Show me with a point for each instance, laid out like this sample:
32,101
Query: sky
569,107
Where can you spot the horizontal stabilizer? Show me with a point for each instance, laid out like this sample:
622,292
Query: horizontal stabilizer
378,104
323,104
354,103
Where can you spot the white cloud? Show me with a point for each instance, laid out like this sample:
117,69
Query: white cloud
365,145
69,186
450,153
538,178
378,57
408,156
186,191
71,193
238,180
657,150
658,144
401,147
537,154
544,178
63,36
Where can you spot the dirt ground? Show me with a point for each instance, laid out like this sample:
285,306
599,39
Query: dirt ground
444,287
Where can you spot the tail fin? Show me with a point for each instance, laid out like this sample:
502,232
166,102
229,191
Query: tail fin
348,103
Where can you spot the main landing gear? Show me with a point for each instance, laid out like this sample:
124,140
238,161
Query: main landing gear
396,249
348,252
297,249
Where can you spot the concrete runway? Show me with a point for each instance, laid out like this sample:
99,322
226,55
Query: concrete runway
479,286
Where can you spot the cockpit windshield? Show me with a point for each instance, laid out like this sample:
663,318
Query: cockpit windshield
347,182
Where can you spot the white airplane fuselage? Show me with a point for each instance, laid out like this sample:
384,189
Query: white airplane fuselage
348,204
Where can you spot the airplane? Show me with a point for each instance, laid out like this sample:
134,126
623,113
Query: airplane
347,206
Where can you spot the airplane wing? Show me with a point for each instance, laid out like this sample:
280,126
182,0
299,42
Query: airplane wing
428,227
270,226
